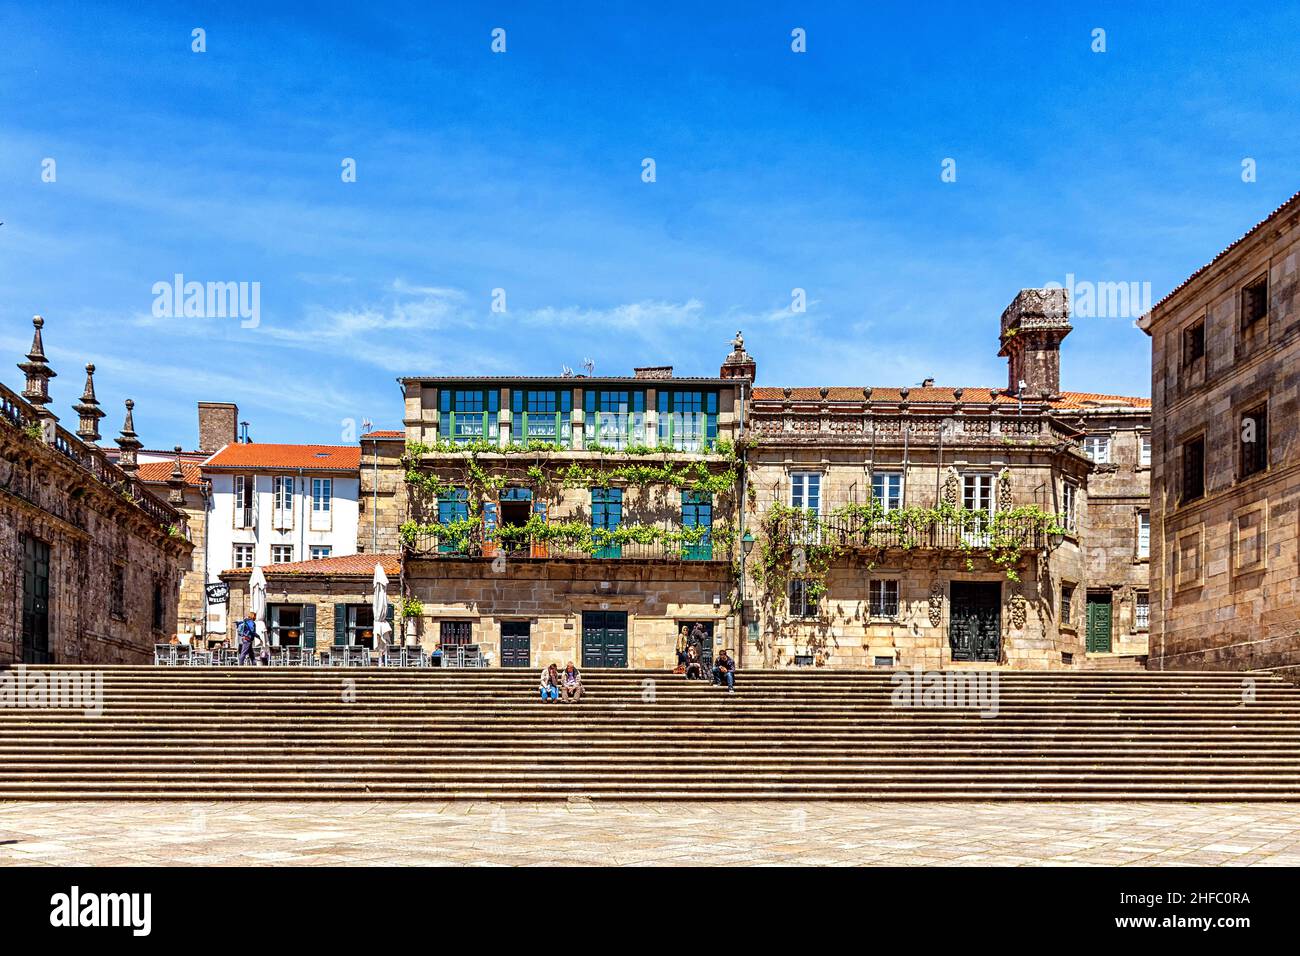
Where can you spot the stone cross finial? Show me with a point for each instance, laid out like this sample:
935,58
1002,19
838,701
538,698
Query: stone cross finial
89,411
129,442
176,483
38,372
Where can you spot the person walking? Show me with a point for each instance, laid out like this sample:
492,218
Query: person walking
247,634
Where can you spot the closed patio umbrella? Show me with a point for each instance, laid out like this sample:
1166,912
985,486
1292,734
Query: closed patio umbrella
257,599
380,607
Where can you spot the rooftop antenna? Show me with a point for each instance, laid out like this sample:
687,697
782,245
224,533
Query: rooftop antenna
366,425
566,372
590,366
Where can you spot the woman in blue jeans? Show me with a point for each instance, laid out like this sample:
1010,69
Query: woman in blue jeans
550,683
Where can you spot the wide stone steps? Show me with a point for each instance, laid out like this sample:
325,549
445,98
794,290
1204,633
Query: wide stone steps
362,733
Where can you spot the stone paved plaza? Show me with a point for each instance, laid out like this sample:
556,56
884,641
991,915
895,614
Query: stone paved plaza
638,834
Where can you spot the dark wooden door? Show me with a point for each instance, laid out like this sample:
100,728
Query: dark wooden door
36,601
453,633
516,644
975,620
604,639
1099,620
706,645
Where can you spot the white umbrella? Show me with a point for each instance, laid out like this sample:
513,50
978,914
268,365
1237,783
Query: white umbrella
257,599
380,607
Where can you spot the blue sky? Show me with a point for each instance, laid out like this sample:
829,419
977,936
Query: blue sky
522,171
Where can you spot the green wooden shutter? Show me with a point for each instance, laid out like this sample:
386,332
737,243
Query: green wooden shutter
340,625
309,626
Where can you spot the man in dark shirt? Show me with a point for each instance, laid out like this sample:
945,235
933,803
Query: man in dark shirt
724,670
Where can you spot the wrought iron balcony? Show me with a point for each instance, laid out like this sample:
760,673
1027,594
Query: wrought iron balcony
1025,533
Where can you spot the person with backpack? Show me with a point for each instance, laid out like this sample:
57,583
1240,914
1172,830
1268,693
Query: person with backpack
247,634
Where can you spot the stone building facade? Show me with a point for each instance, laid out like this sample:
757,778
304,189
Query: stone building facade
94,558
318,604
592,519
1226,477
942,526
511,476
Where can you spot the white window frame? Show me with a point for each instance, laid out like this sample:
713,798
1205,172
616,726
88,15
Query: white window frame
806,487
1143,534
982,484
893,489
878,590
281,548
1141,620
282,491
327,549
1144,451
249,549
322,495
1097,447
244,488
801,609
1070,505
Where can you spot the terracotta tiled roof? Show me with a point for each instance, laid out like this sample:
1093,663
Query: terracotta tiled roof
919,395
161,471
1286,207
288,457
385,433
348,564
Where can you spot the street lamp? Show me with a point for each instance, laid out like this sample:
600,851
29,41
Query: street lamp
747,542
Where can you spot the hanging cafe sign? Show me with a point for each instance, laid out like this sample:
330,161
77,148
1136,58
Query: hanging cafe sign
218,593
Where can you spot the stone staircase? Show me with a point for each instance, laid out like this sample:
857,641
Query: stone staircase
312,734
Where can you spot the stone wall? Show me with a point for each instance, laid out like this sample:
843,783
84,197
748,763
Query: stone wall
1226,566
93,534
551,595
844,634
382,506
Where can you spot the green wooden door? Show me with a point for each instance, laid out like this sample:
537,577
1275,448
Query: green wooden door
604,639
1099,622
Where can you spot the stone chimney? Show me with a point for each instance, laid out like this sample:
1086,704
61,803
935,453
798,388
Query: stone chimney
218,425
657,372
1033,326
739,364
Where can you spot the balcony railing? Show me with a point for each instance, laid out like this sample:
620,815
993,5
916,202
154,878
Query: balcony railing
17,412
945,534
475,544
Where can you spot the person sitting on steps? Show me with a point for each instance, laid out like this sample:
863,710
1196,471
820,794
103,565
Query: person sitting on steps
570,684
550,683
724,671
694,666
